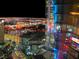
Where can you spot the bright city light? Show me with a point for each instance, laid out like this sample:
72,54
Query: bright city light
74,13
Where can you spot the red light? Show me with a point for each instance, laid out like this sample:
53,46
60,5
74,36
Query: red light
50,25
65,47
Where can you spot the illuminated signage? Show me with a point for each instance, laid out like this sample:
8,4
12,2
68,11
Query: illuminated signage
75,40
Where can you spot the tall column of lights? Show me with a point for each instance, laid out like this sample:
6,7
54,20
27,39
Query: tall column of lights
49,24
50,21
52,18
54,30
48,18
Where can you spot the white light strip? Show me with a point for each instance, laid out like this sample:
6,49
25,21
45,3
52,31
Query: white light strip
75,40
